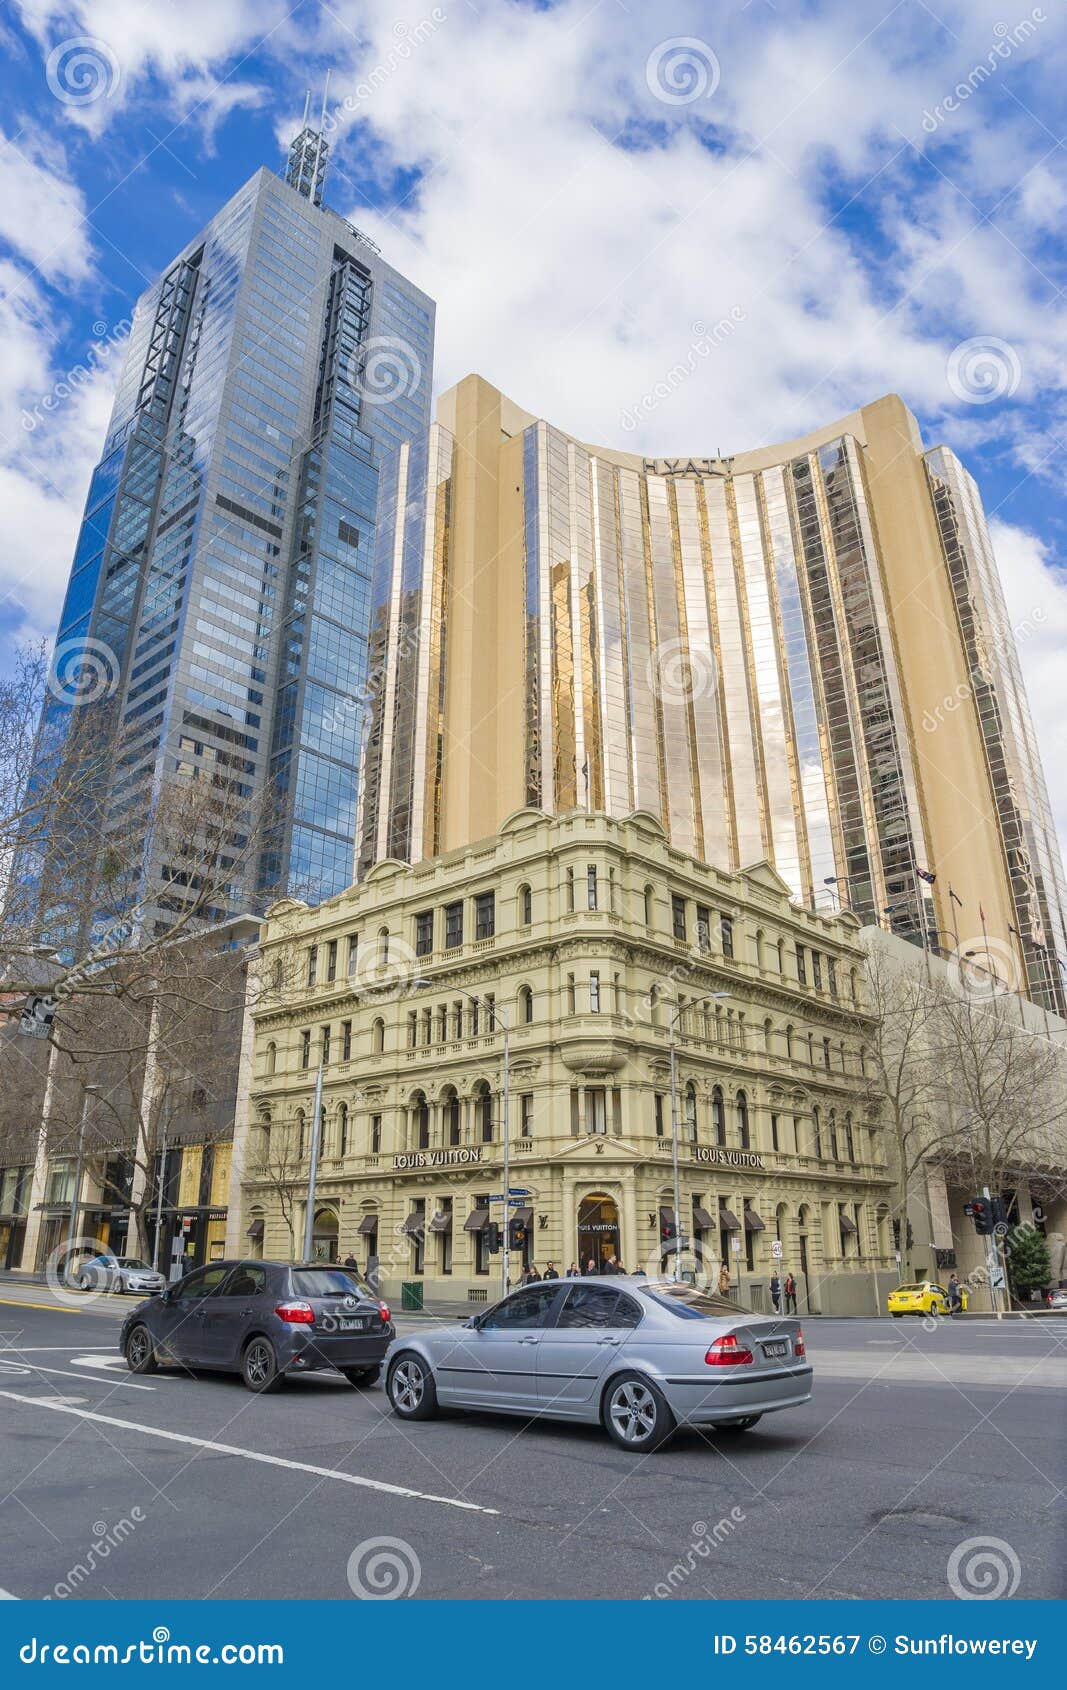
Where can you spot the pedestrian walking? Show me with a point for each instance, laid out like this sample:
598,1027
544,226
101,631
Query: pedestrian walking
790,1294
590,1267
955,1295
350,1261
574,1271
724,1281
550,1271
776,1292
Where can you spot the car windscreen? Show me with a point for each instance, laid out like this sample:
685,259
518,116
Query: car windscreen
133,1262
690,1303
329,1282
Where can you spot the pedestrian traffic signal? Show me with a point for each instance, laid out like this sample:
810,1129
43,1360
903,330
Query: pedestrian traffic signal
492,1237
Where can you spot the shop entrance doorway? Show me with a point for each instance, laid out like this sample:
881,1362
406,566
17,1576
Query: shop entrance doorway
598,1231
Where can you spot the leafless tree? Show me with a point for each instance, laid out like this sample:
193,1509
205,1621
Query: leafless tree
277,1165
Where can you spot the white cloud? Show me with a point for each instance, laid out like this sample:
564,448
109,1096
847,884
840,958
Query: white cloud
42,213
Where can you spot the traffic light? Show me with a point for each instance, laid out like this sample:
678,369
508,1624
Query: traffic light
492,1237
980,1210
516,1233
668,1231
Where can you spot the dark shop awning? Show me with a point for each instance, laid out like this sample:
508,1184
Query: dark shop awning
753,1222
729,1221
414,1225
701,1218
442,1221
256,1229
476,1221
369,1223
847,1225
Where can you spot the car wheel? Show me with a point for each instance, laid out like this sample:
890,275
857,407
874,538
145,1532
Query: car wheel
141,1351
411,1387
635,1414
359,1375
897,1314
259,1366
745,1424
83,1283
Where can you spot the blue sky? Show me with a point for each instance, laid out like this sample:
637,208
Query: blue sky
871,195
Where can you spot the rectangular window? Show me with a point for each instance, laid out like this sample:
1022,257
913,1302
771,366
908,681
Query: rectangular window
442,1022
490,1012
424,933
590,879
678,915
485,915
826,1054
474,1023
346,1041
375,1134
816,970
831,972
703,927
453,925
774,1133
353,955
726,933
457,1020
594,994
413,1029
446,1237
481,1239
596,1110
313,964
331,960
305,1048
526,1114
325,1047
657,1102
802,967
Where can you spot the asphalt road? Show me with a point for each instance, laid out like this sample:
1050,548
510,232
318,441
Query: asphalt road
915,1443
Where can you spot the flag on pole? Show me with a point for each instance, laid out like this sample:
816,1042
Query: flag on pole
924,874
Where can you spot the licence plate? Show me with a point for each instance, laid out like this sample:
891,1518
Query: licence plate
352,1323
779,1349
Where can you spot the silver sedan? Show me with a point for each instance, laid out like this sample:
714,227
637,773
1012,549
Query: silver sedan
637,1356
120,1273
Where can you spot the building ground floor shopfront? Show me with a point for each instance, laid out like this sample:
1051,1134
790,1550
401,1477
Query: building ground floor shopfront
421,1220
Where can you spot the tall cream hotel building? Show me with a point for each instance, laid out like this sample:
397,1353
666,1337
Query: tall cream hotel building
648,741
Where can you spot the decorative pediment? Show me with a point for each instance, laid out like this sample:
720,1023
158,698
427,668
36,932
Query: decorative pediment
764,875
601,1146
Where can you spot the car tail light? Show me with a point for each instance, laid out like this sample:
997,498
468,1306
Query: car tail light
383,1310
798,1343
295,1314
728,1352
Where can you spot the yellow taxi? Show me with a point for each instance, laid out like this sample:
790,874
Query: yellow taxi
922,1297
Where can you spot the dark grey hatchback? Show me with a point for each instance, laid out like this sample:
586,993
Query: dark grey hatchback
265,1320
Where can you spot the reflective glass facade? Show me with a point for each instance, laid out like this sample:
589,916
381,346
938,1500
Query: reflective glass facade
714,641
225,554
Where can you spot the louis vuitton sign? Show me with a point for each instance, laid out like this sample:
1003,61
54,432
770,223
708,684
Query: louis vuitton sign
727,1158
438,1158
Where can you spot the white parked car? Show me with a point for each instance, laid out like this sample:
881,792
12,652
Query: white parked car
120,1273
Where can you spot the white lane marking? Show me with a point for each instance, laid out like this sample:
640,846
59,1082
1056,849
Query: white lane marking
253,1455
66,1373
52,1349
6,1596
108,1361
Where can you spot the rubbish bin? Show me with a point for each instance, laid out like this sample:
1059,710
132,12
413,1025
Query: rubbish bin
411,1294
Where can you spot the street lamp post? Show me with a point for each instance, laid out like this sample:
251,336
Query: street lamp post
709,997
72,1230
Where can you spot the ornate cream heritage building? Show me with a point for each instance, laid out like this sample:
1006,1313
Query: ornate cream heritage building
800,653
588,937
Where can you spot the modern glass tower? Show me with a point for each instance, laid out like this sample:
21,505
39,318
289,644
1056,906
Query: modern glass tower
799,654
219,588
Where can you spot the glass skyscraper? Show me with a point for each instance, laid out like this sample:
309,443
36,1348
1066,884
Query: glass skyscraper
800,654
219,588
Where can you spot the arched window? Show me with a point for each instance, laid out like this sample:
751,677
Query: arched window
654,1012
383,947
526,1004
483,1103
451,1116
342,1130
768,1037
759,947
272,1058
718,1116
649,906
568,892
322,1131
525,906
301,1132
420,1120
377,1036
789,1042
742,1120
781,956
691,1113
816,1129
835,1149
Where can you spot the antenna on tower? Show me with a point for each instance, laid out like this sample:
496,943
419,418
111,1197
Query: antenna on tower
309,152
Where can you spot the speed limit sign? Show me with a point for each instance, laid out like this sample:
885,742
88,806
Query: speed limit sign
776,1249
